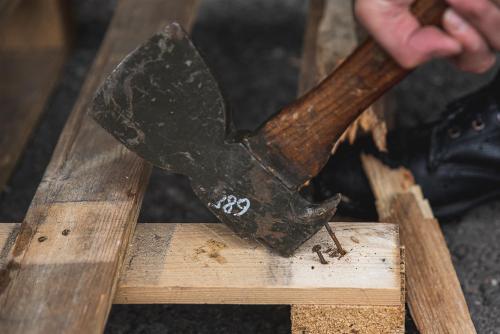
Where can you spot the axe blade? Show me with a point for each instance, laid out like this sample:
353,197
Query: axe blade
163,103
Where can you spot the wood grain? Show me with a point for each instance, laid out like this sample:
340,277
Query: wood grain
33,47
69,251
296,143
435,298
207,263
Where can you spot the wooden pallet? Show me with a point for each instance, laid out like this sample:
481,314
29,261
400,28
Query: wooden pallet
60,268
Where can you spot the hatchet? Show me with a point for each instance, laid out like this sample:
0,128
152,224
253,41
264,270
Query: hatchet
163,103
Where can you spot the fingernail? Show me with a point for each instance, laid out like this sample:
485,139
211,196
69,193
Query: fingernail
454,20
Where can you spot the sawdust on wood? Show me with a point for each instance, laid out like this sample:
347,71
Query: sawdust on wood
212,249
349,319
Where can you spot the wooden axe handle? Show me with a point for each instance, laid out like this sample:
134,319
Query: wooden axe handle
300,138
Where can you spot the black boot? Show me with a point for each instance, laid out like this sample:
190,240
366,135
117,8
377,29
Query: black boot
456,160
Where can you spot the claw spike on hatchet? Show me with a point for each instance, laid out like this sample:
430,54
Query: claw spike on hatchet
163,103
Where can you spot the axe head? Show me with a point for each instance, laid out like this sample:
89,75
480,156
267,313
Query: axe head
163,103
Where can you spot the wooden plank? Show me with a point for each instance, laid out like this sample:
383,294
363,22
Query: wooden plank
209,264
330,36
33,47
75,234
435,298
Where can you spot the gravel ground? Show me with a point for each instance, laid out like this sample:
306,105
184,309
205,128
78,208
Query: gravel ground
253,48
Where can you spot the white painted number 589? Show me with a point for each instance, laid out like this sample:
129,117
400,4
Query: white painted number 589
243,204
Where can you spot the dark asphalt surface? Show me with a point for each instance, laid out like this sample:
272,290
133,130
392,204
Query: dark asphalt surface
253,47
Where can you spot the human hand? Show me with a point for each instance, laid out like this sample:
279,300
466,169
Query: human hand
470,34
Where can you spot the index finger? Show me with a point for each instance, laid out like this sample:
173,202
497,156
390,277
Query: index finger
397,30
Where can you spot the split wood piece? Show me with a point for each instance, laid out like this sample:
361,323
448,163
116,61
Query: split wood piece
33,48
93,187
209,264
435,298
325,48
328,39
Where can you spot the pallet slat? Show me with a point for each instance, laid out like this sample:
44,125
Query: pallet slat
435,298
59,284
208,264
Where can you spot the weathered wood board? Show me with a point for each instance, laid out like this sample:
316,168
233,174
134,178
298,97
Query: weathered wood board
435,298
92,188
209,264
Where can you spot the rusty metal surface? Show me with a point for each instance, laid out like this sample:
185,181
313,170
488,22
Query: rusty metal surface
163,103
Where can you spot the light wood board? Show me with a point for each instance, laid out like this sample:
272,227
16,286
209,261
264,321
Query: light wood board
435,298
209,264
